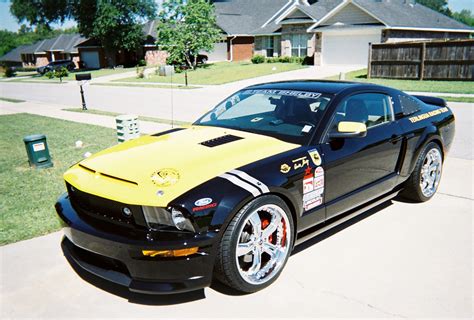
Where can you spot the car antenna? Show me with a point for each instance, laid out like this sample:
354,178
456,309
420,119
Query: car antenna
172,106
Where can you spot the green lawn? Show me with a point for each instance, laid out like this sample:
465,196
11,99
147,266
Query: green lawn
114,114
413,85
221,72
11,100
27,196
72,75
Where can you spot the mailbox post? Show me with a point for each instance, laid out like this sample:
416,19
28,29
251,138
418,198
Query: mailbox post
82,77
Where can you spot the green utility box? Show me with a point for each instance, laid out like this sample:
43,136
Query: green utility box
37,150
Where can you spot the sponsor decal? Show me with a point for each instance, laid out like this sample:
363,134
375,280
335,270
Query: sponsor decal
313,188
284,168
315,157
205,207
165,177
202,202
300,163
301,94
428,115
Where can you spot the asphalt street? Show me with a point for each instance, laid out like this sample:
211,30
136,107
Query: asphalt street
399,260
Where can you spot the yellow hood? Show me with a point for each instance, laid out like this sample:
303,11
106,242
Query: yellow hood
133,172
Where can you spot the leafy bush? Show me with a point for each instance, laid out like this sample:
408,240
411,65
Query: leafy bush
49,74
284,59
273,60
61,73
9,72
141,62
257,59
296,59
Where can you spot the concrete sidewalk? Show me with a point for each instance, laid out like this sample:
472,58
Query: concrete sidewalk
401,260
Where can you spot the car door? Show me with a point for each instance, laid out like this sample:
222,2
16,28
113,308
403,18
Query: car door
359,169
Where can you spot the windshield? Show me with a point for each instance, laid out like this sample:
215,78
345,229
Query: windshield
288,115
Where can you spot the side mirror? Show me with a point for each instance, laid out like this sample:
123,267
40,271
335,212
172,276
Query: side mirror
349,129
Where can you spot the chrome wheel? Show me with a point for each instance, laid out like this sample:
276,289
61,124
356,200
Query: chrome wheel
431,172
263,244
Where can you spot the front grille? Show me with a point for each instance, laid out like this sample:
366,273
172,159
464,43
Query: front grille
220,140
105,209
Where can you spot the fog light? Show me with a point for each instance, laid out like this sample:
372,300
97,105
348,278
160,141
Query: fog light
170,253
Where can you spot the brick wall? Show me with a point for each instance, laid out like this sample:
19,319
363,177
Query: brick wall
242,48
155,57
318,39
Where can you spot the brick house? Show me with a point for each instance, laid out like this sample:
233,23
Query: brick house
327,29
44,51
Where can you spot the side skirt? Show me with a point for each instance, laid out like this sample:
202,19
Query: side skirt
305,235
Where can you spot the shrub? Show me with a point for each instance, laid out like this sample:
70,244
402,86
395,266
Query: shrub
284,59
9,72
61,73
256,59
142,62
273,60
49,74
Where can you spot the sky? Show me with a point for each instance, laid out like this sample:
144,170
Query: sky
7,21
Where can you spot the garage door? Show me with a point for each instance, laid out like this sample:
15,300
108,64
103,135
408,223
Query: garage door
90,59
345,49
219,53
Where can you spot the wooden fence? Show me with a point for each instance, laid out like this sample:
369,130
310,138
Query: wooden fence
423,60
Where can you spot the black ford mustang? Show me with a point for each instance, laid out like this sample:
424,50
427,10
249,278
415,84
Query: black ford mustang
229,197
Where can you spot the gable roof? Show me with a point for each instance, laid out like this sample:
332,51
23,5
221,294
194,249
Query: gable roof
398,14
244,17
14,55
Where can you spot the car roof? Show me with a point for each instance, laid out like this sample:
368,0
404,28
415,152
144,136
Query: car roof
320,86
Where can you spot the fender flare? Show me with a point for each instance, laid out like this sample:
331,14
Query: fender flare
430,134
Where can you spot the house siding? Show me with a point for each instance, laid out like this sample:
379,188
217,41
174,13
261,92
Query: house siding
351,14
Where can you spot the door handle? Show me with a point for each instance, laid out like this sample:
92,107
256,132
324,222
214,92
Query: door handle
395,139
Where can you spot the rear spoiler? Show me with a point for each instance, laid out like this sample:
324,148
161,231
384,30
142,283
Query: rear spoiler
432,100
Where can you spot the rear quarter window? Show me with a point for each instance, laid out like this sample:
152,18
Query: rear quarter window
409,105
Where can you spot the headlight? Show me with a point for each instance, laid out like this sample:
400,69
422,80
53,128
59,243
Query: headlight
156,216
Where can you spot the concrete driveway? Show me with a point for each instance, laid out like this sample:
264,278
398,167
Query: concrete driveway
399,260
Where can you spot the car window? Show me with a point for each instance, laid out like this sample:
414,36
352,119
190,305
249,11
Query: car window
371,109
288,115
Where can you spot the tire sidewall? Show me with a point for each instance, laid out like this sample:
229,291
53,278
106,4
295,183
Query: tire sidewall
241,216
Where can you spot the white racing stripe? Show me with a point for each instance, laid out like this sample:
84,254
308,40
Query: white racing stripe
244,185
259,184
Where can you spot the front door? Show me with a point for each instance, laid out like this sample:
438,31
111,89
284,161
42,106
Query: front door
360,169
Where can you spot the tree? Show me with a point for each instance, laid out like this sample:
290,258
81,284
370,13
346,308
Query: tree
465,16
115,23
437,5
185,28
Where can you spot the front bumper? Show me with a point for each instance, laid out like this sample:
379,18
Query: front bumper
119,259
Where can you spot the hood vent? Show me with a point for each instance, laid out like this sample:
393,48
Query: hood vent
220,141
107,175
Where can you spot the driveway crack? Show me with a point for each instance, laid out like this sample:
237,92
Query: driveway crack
364,304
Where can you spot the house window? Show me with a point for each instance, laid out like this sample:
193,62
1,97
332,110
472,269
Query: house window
268,45
299,45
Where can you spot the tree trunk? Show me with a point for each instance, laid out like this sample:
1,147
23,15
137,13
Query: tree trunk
189,61
195,61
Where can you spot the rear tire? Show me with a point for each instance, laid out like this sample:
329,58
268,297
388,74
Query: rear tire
256,245
424,180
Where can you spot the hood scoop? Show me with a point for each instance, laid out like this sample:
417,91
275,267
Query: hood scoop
220,140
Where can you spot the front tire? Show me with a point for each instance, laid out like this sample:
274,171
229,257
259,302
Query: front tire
423,182
256,245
